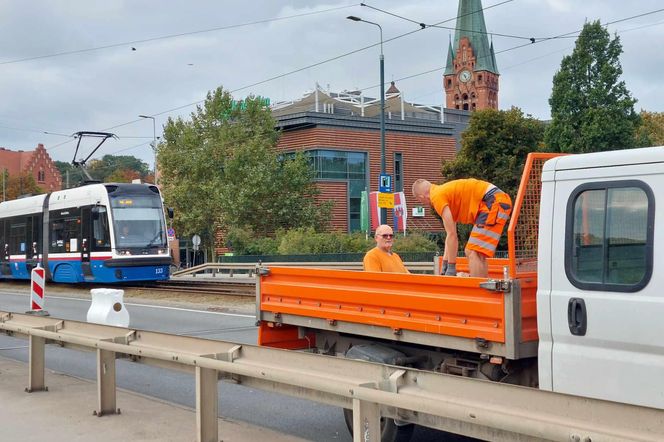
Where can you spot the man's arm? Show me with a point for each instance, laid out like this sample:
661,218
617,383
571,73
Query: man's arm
451,238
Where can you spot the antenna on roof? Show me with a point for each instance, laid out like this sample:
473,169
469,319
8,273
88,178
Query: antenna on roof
81,163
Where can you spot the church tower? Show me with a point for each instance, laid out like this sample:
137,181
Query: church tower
471,74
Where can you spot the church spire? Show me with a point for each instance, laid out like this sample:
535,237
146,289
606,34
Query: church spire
470,24
449,68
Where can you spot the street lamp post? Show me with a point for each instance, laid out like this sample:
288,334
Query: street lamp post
383,211
154,143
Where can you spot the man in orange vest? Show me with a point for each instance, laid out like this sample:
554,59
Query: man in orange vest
381,258
468,201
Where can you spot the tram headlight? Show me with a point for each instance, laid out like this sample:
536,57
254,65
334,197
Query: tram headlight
162,251
124,252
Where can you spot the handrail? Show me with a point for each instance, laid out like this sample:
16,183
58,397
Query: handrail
231,268
472,407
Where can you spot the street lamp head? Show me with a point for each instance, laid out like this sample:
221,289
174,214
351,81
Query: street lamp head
144,116
352,17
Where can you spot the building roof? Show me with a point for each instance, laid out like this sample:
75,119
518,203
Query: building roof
14,161
354,103
470,24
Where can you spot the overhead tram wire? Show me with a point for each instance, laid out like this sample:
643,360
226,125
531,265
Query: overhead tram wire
565,35
165,37
572,34
276,77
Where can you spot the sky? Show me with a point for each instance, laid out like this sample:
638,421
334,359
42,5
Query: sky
82,65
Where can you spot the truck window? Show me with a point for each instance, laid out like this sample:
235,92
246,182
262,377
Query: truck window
609,236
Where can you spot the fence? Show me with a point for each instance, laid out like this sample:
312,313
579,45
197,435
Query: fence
466,406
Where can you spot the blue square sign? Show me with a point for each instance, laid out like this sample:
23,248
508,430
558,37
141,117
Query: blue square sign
385,183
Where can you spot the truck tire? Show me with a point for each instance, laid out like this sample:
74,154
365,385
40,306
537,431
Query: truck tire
389,431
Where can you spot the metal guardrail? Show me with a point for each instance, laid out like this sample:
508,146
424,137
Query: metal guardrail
466,406
233,268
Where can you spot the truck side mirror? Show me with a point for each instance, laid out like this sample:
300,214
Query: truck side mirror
170,212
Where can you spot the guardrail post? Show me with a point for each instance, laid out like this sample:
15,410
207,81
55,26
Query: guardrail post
366,421
207,410
36,365
105,383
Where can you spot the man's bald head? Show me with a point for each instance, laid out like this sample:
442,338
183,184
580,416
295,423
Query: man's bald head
384,238
421,190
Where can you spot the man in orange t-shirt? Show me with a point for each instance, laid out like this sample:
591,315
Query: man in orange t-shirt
381,258
468,201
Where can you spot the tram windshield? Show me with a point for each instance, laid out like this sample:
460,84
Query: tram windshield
138,221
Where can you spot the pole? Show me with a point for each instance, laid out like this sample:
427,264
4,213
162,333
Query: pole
154,143
383,210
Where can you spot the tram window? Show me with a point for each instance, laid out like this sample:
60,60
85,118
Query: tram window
100,230
65,234
17,237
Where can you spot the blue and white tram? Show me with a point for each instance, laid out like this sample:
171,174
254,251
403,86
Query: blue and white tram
95,233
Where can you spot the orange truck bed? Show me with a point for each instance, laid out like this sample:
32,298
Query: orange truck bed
439,311
497,316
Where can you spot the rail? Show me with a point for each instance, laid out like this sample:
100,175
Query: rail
230,269
466,406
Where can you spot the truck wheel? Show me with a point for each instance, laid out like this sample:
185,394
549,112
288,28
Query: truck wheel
389,431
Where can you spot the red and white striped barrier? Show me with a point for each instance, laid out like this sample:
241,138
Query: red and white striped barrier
37,291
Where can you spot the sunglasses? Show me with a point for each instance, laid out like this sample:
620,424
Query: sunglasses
387,235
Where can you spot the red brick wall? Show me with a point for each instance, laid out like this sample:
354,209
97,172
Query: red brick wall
336,191
422,156
32,163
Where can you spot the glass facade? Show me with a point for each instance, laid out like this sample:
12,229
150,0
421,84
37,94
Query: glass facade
343,165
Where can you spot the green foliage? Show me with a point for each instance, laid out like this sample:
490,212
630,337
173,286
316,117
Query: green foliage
304,241
222,169
18,185
118,168
71,175
308,241
494,148
651,130
110,168
414,242
591,109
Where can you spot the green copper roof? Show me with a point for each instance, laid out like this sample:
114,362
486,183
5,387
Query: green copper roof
449,68
470,23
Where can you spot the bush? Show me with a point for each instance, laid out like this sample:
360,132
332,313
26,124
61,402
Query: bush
414,242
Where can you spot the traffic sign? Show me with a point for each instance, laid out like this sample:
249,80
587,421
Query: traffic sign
171,234
196,241
386,200
385,183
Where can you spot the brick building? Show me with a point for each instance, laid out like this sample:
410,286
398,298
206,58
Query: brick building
471,74
36,163
340,132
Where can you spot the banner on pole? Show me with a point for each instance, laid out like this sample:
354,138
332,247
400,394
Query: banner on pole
374,211
364,211
400,212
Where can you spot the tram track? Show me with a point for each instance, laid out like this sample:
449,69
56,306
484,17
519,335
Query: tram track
221,288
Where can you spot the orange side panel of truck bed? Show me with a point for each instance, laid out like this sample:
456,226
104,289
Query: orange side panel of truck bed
453,306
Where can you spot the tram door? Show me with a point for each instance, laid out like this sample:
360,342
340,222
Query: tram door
32,242
5,270
86,222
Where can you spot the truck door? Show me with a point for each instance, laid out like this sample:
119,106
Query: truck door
606,302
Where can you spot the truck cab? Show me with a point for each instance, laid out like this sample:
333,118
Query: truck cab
599,298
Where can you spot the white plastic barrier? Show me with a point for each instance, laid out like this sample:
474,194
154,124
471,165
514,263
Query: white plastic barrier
108,308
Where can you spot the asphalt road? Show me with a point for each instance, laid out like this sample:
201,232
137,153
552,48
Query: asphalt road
297,417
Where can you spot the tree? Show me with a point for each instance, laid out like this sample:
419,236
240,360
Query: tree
19,185
591,109
651,131
222,169
118,168
494,148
